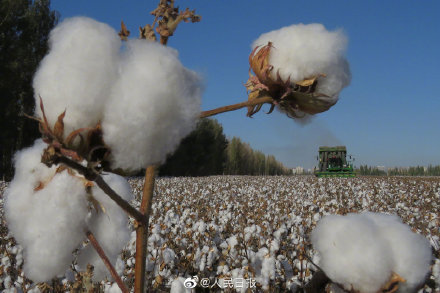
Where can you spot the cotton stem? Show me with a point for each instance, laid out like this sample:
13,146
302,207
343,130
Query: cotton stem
106,261
254,102
95,177
142,230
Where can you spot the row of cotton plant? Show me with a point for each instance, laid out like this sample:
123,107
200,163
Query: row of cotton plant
262,229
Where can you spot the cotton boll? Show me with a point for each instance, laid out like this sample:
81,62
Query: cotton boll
302,51
412,252
78,72
110,227
29,172
27,163
56,227
351,253
153,105
48,222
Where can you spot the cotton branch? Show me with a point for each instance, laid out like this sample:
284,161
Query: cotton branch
251,103
106,261
95,177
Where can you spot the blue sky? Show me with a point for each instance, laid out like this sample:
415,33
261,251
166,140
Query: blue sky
388,115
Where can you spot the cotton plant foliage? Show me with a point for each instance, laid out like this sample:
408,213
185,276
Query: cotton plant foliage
153,105
363,251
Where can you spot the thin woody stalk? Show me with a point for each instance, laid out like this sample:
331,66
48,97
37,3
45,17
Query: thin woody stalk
95,177
254,102
147,197
106,261
142,230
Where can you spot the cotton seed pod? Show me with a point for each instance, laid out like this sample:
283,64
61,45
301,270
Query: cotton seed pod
291,97
301,68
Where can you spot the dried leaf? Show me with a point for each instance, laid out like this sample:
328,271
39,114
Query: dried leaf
393,284
124,33
158,281
60,168
45,124
71,154
39,186
96,204
58,128
71,137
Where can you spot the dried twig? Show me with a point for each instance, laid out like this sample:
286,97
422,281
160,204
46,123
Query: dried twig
106,261
258,101
95,177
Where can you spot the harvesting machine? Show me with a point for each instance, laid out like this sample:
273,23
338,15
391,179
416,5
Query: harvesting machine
333,162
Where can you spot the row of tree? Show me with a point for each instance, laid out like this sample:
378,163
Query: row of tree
206,151
370,171
415,171
24,30
241,159
400,171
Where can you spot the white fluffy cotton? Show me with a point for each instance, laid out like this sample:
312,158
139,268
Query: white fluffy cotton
147,101
48,223
361,251
110,227
305,50
78,72
411,252
153,105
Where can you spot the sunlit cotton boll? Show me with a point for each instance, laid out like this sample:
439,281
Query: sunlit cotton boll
49,222
109,226
153,105
78,72
302,51
29,172
352,253
412,252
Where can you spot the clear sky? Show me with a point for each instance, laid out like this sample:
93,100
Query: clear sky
389,115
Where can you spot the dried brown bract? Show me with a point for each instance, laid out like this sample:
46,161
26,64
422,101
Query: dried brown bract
293,98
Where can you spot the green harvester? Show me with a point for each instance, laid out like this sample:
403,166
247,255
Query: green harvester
333,162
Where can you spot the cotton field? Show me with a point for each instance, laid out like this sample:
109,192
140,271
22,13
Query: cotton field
247,234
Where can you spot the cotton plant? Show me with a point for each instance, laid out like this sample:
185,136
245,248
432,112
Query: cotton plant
93,101
370,252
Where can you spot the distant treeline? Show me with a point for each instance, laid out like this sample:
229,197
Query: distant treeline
206,151
400,171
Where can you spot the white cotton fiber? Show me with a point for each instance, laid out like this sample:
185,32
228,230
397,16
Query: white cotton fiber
177,286
153,105
411,252
363,250
351,253
109,226
78,72
49,222
304,50
29,172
